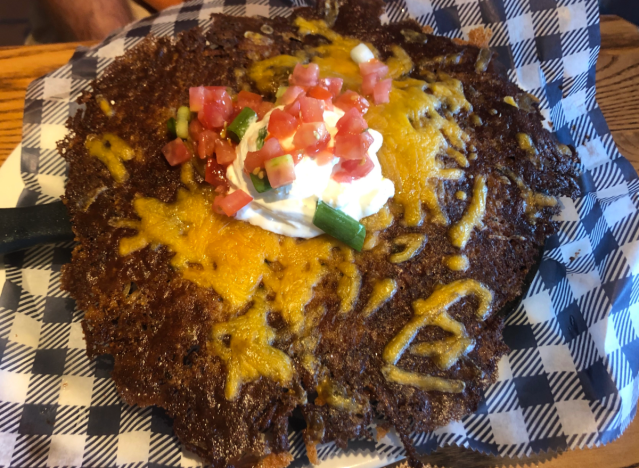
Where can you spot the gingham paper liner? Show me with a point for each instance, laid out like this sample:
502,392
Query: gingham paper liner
571,378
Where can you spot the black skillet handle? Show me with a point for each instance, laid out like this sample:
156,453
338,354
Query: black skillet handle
21,228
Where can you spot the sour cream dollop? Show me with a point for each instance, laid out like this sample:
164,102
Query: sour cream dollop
289,210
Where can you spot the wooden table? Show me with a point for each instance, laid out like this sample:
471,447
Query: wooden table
618,96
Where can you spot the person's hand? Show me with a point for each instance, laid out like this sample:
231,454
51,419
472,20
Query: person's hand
162,4
90,19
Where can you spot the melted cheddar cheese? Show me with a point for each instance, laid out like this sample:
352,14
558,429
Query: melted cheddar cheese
457,262
533,201
375,223
526,143
446,352
383,291
265,73
335,395
111,150
428,310
105,106
349,283
433,312
511,101
460,233
412,244
231,256
428,383
249,354
459,158
414,136
334,59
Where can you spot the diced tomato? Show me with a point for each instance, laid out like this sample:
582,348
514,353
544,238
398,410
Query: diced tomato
206,143
225,152
351,123
319,92
381,94
244,98
255,159
297,156
374,67
280,170
282,124
324,156
348,171
368,83
265,108
202,94
213,105
196,98
176,152
195,128
351,99
290,95
252,161
215,174
322,93
218,94
334,85
214,114
231,203
294,108
252,101
311,137
312,109
305,75
352,146
248,99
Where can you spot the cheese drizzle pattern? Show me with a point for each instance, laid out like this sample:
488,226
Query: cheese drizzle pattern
433,311
349,284
383,291
412,243
236,259
460,233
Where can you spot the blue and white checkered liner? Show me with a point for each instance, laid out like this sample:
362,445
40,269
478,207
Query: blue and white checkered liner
571,379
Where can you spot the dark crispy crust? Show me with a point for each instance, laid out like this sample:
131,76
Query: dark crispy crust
158,334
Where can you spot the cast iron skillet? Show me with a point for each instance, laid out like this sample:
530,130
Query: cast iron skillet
21,228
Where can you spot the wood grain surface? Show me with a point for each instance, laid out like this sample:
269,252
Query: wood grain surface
617,94
618,83
19,66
